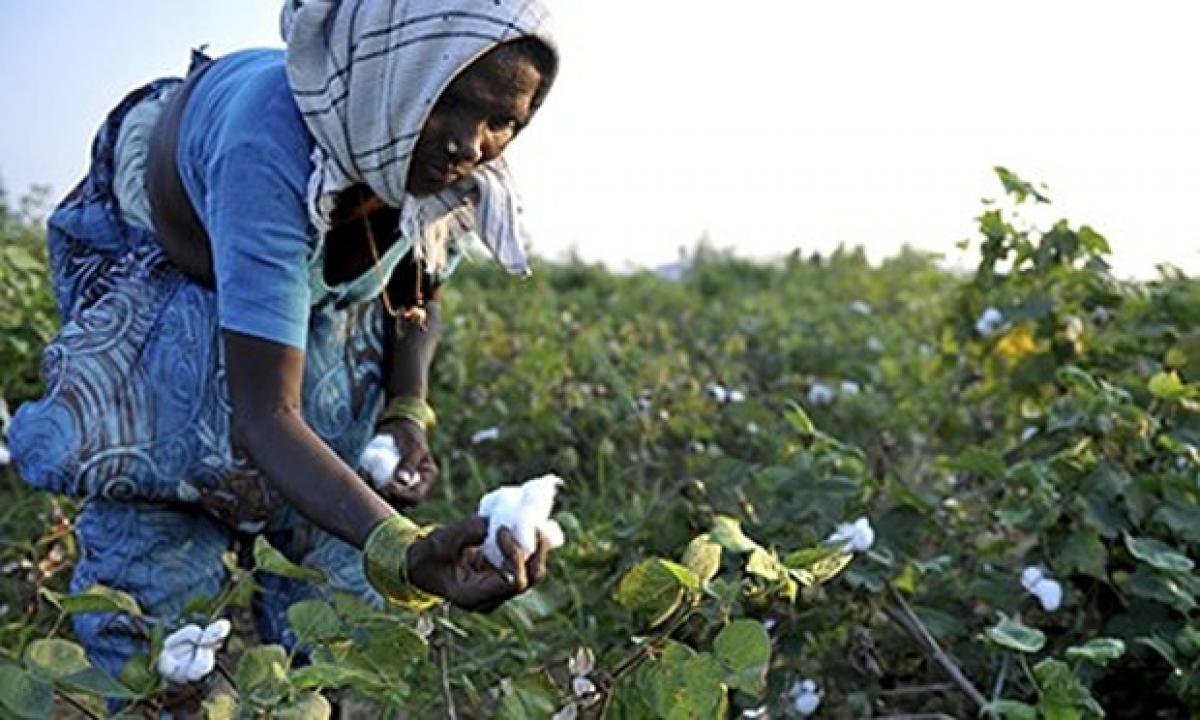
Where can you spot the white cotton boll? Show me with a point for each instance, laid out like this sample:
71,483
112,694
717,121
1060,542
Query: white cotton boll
216,633
809,685
1028,433
171,665
380,460
989,322
1049,593
805,697
554,534
582,687
1030,577
860,307
718,393
875,345
755,713
737,396
203,663
820,394
5,456
857,536
851,388
485,435
523,510
186,636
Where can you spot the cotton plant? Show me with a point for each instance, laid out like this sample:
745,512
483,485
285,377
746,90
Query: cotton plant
805,696
524,510
1046,589
190,653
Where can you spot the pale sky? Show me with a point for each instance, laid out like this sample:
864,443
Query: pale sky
767,124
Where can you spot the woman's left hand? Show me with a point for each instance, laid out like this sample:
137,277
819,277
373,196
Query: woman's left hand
417,472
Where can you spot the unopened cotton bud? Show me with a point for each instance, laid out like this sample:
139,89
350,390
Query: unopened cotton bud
380,460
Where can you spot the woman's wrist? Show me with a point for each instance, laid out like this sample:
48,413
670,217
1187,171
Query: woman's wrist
385,562
409,407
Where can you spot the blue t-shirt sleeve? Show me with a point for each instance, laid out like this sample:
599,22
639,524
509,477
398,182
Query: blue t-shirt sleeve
258,222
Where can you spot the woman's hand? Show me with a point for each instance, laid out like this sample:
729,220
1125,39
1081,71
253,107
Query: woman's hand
449,563
417,472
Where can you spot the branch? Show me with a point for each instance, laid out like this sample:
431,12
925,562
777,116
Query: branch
908,620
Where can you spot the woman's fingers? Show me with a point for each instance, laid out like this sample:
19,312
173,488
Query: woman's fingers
451,541
514,560
536,565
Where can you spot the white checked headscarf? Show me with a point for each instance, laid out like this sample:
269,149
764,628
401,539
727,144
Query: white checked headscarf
367,73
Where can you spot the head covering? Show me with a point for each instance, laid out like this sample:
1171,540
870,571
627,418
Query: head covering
367,73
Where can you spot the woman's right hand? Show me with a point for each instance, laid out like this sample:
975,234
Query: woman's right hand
449,563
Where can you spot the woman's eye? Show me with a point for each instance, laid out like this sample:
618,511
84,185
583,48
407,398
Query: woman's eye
502,124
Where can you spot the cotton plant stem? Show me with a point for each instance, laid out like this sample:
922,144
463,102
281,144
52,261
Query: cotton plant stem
443,653
910,622
1001,677
918,689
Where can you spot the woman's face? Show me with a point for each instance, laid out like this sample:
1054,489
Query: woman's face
474,120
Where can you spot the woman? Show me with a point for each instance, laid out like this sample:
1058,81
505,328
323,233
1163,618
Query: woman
245,309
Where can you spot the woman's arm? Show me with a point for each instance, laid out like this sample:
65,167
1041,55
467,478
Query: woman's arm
265,380
413,348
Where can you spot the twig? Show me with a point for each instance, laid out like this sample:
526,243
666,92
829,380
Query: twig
443,651
918,689
76,704
224,671
910,622
1001,677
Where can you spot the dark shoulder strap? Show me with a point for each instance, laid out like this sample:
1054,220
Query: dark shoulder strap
176,224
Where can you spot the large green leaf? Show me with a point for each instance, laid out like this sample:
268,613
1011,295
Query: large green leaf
96,598
268,559
314,621
727,532
23,694
95,681
55,658
703,557
1009,710
306,706
1098,651
652,588
1158,554
744,650
1013,635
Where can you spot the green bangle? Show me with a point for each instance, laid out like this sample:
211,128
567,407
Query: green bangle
385,562
407,407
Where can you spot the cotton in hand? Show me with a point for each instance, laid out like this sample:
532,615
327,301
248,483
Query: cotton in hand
524,510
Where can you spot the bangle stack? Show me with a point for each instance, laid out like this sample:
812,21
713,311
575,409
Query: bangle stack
385,562
409,408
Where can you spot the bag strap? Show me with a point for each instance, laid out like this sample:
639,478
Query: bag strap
179,230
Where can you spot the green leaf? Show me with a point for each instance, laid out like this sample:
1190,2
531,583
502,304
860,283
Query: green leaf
727,532
268,559
766,565
55,658
320,676
799,420
1013,635
703,557
1165,589
95,681
1167,386
387,648
651,589
138,675
1158,554
983,463
221,707
744,650
1063,696
1098,651
25,695
306,706
314,621
96,598
532,696
1084,552
263,667
1009,710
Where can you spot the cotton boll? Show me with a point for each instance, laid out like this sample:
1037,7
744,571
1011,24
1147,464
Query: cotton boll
216,633
857,536
523,510
860,307
380,460
485,435
186,636
820,394
203,663
805,697
737,396
718,393
850,388
5,456
1030,577
1049,593
555,536
989,322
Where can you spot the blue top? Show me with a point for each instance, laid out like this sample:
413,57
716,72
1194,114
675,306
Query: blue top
245,157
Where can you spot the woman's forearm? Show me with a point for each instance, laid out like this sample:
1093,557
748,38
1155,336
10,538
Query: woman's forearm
264,388
310,476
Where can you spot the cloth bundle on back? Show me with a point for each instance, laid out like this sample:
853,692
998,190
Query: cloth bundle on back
136,419
367,73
